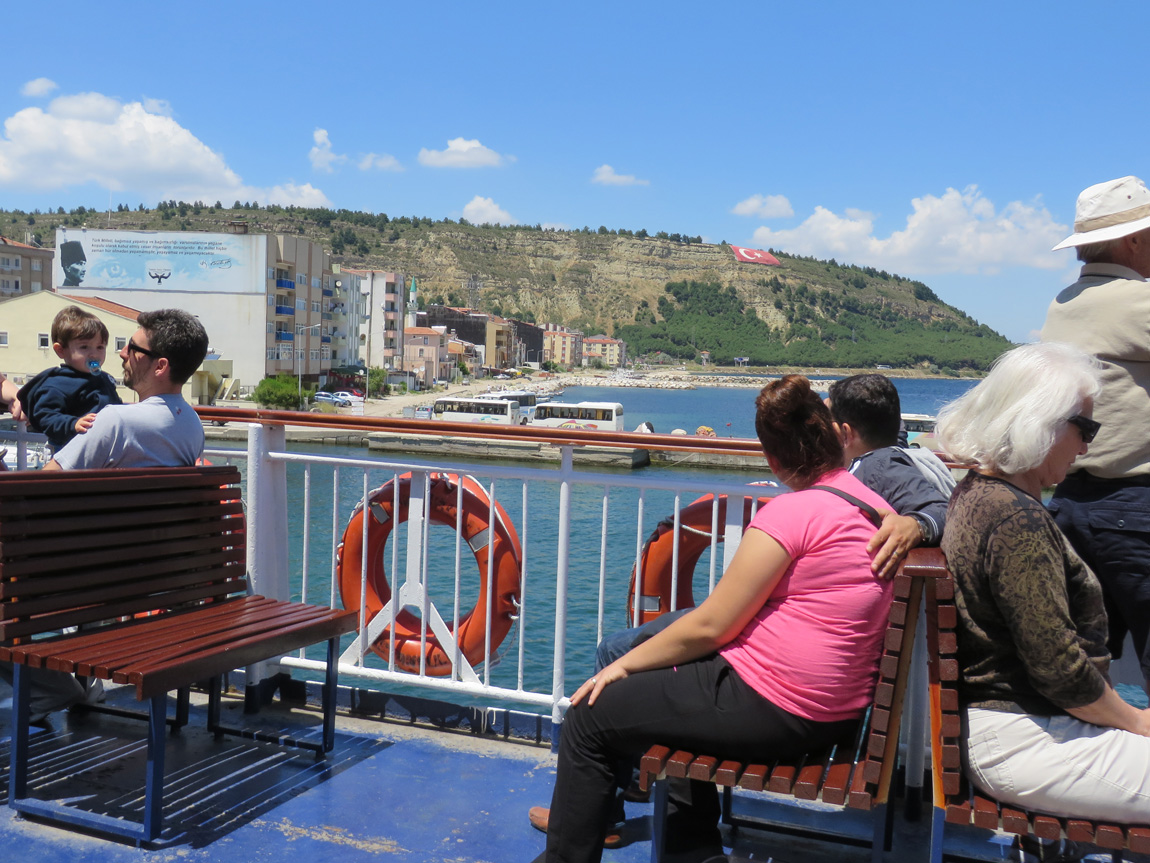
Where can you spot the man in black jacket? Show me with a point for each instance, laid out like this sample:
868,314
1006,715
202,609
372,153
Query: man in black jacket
867,413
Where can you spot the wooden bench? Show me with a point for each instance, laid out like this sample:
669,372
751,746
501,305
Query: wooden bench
149,566
955,799
855,776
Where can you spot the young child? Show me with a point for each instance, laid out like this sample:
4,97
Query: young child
62,402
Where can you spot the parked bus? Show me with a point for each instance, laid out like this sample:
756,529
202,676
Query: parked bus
527,401
601,416
475,410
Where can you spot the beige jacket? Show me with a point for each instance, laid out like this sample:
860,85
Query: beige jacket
1107,313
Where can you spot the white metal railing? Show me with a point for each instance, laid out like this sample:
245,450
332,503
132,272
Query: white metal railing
580,534
22,449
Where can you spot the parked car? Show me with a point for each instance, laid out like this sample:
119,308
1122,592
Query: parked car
349,395
332,399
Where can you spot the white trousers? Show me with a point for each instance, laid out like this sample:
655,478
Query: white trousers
1059,765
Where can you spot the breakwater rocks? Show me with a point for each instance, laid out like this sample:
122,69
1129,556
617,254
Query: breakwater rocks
657,380
645,381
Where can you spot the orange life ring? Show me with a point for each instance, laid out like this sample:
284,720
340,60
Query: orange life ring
506,564
657,555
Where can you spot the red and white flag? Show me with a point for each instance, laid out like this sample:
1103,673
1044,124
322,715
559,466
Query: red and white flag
755,256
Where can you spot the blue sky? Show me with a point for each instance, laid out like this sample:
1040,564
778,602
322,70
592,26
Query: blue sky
946,142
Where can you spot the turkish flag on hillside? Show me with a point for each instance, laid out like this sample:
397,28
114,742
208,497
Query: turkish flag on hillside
755,256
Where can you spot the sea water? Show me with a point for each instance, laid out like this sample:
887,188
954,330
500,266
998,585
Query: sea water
730,411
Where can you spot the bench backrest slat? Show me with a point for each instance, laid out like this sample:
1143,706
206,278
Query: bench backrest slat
138,539
80,547
113,564
74,518
108,591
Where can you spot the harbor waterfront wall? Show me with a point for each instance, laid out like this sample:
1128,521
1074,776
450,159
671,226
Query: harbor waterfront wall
481,448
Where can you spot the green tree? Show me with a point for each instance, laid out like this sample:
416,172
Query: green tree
377,382
282,391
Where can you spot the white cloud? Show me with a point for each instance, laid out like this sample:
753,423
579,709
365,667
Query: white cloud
379,161
481,211
38,87
461,153
157,106
91,138
85,106
957,232
284,194
605,176
321,156
765,207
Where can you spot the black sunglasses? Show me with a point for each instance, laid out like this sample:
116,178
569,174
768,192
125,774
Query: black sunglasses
132,346
1087,427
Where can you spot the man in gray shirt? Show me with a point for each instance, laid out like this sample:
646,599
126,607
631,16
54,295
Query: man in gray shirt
161,430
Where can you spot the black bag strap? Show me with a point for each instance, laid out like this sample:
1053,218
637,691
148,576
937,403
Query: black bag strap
869,511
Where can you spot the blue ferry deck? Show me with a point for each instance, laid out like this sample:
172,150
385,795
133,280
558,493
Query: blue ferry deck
417,789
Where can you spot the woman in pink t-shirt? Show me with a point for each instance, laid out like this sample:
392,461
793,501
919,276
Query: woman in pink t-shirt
781,658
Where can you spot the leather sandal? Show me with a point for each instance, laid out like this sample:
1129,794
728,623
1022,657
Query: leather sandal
540,815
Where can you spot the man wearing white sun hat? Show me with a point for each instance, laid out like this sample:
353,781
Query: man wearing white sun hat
1104,506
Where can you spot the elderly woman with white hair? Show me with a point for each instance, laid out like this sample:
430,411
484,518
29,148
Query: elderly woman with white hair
1044,728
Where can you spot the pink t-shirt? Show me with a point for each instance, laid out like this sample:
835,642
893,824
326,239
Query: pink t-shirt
813,648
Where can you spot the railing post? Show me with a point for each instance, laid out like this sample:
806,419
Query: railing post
21,445
732,530
561,564
916,711
267,515
267,522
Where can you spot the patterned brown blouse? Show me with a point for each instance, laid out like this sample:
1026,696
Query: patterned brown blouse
1031,623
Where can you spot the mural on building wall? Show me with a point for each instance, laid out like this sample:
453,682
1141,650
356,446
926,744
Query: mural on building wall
160,261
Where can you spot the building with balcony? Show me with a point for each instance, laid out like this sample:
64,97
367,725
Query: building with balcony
500,343
611,352
24,269
562,346
343,310
470,355
379,332
427,355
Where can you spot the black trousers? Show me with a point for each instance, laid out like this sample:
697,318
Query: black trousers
1108,523
701,706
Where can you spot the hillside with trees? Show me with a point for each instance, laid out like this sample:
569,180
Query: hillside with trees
666,293
825,328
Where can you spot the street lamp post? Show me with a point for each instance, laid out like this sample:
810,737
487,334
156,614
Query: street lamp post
299,331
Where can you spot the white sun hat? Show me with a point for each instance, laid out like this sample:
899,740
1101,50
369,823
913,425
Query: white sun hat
1107,211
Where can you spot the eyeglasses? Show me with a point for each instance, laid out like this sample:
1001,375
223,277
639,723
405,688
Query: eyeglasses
132,346
1087,427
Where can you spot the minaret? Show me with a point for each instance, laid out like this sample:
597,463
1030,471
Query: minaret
412,305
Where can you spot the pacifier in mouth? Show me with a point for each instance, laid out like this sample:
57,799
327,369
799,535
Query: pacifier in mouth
93,366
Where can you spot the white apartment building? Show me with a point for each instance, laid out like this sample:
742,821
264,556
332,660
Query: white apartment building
381,327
